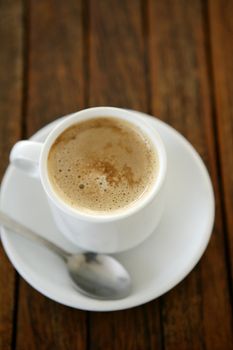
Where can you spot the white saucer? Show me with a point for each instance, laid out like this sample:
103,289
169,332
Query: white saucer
156,266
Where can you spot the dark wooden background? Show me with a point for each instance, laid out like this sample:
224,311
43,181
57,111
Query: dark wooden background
170,58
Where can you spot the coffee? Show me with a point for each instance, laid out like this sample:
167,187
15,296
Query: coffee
102,165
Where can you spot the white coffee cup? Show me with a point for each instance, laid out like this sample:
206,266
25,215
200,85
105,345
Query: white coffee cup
103,233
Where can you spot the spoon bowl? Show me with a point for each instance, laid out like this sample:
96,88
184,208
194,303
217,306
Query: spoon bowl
99,275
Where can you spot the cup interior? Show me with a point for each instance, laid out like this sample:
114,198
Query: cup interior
93,113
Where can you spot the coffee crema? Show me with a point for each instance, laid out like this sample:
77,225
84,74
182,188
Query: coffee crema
102,165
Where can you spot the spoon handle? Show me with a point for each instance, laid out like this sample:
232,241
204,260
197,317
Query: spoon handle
15,226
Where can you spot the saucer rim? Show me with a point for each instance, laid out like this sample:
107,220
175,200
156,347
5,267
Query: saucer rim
147,295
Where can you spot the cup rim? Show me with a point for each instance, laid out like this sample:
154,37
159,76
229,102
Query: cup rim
91,113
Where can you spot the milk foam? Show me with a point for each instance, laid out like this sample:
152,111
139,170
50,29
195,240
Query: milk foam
102,165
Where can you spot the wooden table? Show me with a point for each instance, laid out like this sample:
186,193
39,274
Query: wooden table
172,59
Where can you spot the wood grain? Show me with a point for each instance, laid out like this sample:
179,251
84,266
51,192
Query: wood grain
11,65
221,38
117,77
54,87
196,314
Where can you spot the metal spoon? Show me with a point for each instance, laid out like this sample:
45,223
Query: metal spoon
95,275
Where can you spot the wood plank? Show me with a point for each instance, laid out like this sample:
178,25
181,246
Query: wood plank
137,328
196,314
10,126
117,78
44,324
55,61
54,87
221,36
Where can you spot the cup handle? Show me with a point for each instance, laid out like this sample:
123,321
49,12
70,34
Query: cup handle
25,156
